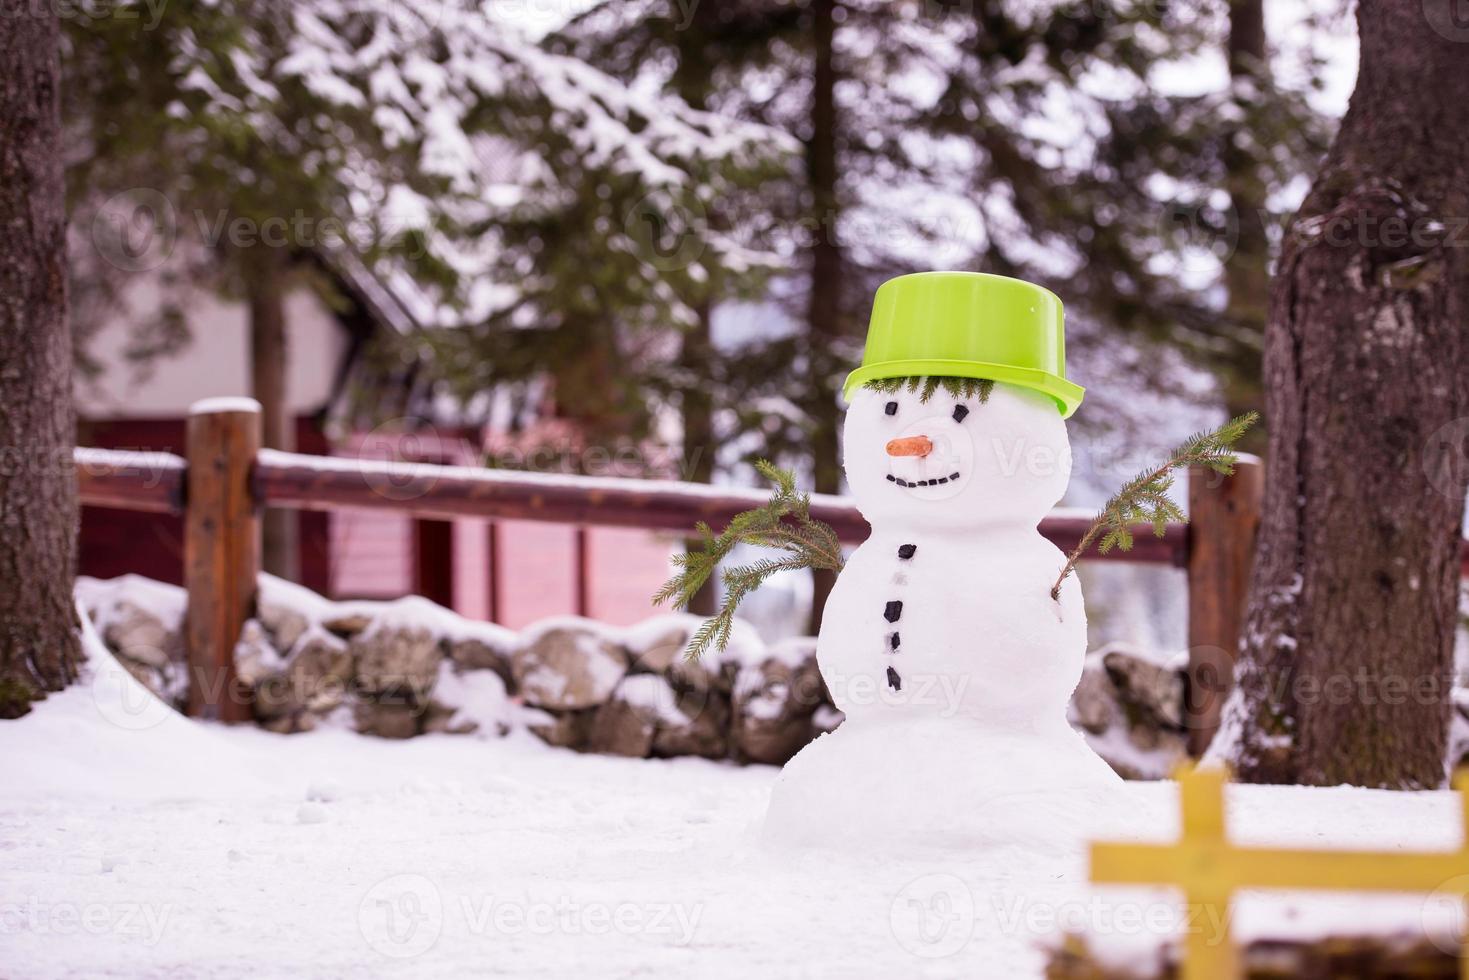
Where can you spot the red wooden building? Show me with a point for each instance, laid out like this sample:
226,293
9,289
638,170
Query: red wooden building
542,569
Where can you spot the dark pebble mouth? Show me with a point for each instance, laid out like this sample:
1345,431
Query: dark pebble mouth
923,483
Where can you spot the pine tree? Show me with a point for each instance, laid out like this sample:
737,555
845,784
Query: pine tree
954,166
434,144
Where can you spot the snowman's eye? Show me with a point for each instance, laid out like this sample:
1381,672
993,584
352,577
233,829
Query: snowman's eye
959,412
891,408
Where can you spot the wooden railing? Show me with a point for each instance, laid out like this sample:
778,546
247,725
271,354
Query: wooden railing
227,479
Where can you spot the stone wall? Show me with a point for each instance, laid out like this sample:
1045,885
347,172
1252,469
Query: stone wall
406,668
409,667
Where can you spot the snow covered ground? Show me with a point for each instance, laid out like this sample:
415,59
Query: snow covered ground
139,844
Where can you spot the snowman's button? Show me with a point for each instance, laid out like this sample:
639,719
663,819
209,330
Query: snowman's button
905,551
893,610
894,681
893,640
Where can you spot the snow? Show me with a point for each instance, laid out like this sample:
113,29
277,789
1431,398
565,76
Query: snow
652,696
211,406
478,697
181,848
104,599
87,457
404,471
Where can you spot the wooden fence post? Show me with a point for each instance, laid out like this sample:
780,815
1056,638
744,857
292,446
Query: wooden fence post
582,558
433,561
221,550
1224,515
493,543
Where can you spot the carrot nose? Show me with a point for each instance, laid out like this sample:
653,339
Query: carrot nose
911,446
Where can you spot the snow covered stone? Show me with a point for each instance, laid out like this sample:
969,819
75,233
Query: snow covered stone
316,678
285,624
491,648
388,719
348,622
568,664
139,634
699,726
657,644
1125,705
396,658
565,730
469,702
1151,687
626,723
774,702
1094,704
141,622
255,657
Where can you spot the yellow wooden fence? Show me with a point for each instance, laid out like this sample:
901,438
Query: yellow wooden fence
1209,870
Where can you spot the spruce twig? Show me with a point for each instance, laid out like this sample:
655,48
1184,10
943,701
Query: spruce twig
1144,498
785,524
926,387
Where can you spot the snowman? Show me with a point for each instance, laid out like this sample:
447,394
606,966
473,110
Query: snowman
941,642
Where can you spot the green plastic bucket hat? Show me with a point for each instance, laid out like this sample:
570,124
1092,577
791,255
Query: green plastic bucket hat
968,325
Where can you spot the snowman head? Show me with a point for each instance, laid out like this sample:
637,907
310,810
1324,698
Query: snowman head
954,453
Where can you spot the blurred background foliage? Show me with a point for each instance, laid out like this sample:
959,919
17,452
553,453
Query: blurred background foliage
663,220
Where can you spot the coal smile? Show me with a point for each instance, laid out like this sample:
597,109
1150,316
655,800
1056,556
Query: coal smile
923,483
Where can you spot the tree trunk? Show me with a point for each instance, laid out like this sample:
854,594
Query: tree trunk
1246,271
265,273
1345,668
693,82
39,650
824,319
695,355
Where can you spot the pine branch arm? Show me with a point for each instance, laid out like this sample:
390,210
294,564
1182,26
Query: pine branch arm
1145,495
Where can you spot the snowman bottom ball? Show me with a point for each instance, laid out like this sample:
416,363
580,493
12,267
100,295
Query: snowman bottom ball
910,788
